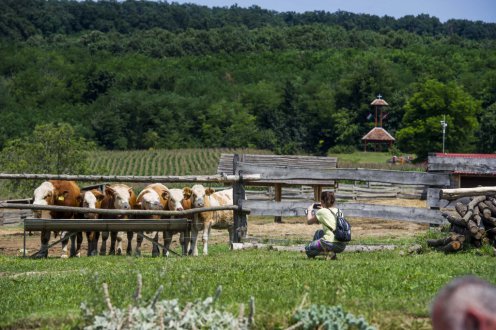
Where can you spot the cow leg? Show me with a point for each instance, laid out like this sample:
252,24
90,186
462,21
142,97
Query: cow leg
129,249
94,243
113,238
103,247
45,238
118,237
64,243
206,234
231,235
194,236
167,242
73,246
89,237
185,239
139,241
79,237
155,248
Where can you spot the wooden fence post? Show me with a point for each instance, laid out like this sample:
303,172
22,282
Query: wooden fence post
240,221
317,190
278,198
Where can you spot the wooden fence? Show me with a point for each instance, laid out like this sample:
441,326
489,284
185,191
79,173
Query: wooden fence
251,175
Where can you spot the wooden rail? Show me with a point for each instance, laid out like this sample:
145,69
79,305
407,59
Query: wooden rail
132,178
384,212
32,224
387,176
121,212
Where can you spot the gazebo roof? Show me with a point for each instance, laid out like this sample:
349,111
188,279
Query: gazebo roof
379,102
378,134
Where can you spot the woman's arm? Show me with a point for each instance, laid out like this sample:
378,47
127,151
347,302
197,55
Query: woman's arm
311,217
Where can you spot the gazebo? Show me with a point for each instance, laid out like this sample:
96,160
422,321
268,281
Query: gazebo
378,134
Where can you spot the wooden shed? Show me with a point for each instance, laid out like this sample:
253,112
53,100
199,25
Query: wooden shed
469,170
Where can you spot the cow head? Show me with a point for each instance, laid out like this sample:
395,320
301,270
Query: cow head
121,195
43,195
153,199
197,195
176,200
93,200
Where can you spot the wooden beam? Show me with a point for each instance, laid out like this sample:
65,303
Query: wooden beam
452,194
301,248
387,176
317,190
31,224
119,212
240,220
383,212
479,165
132,178
278,198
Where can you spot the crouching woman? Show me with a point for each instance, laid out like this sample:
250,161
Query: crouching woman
324,214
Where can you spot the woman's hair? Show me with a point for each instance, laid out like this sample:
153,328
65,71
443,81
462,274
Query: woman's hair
327,198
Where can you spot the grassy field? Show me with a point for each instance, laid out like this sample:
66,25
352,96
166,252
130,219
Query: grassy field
391,291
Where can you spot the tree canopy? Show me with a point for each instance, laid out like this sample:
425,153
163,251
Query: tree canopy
145,74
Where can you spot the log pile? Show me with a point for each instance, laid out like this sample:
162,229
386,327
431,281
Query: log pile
474,224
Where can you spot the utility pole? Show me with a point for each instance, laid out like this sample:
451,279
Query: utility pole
444,125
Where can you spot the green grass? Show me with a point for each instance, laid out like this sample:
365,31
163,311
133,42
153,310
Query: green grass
374,160
360,157
389,290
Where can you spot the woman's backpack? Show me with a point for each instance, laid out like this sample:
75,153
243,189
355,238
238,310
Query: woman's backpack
343,227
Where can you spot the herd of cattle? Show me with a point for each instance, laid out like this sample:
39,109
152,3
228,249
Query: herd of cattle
122,197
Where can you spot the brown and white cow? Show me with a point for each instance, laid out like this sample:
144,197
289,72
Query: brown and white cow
91,199
117,197
56,193
178,201
201,197
153,197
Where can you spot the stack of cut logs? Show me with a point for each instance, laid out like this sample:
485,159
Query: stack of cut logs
474,224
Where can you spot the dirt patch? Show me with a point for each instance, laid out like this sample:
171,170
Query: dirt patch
294,229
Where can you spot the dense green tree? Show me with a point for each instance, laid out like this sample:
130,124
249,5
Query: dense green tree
433,102
487,136
51,148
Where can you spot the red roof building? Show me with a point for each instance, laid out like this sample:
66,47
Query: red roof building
469,170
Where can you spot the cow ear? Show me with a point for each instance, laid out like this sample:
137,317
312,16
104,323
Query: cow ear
131,192
165,195
99,196
187,192
109,190
209,191
80,198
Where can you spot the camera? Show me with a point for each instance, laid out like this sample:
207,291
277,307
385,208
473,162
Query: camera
315,206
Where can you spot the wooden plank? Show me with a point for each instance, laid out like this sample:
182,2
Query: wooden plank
133,178
105,225
433,200
388,176
277,198
304,162
452,194
120,212
301,248
384,212
240,219
468,164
